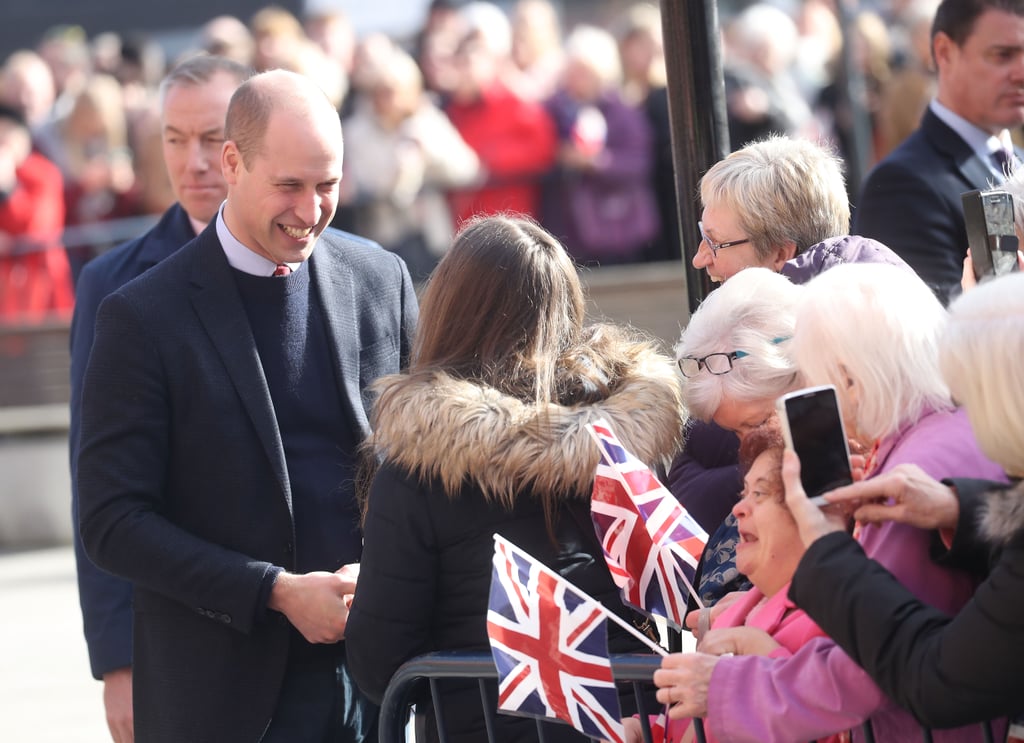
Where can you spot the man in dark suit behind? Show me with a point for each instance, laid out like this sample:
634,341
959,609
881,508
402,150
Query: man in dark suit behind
911,200
193,103
224,401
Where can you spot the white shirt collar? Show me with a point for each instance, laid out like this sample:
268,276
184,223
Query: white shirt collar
197,226
983,143
242,258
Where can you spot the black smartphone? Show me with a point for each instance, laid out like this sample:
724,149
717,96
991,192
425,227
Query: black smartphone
991,236
812,425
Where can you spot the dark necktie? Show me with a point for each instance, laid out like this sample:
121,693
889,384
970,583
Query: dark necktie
1003,160
282,270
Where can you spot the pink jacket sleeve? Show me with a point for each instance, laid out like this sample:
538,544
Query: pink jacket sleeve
815,692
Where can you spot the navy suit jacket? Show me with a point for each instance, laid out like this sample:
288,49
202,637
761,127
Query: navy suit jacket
182,478
911,202
107,600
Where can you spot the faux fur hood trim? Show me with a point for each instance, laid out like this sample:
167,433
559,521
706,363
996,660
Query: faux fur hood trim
436,426
1002,517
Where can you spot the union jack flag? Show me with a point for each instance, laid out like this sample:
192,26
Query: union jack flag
651,544
549,641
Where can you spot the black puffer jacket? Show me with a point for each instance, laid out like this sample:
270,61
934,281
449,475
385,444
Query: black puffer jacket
947,671
462,463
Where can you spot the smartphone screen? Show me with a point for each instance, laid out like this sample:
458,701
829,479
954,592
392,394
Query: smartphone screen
813,426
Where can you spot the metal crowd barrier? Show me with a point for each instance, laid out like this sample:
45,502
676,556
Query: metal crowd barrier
406,687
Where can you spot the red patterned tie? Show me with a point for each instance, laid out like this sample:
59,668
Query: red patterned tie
282,270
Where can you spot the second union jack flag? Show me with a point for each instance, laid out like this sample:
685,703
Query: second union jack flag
652,545
549,641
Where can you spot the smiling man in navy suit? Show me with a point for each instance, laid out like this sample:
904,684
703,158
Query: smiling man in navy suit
193,103
224,402
911,200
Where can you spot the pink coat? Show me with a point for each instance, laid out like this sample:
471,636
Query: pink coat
780,618
819,690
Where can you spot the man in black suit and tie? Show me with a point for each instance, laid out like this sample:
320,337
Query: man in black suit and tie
224,402
911,200
193,103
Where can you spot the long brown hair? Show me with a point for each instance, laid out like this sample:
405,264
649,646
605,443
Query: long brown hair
504,306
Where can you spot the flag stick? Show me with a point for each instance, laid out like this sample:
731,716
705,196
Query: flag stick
604,610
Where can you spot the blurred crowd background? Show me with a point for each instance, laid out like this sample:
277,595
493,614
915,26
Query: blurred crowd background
556,109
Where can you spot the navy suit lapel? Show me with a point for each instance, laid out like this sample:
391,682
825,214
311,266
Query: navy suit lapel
172,232
219,307
333,283
975,171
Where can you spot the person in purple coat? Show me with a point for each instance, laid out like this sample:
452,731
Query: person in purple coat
779,203
871,331
599,201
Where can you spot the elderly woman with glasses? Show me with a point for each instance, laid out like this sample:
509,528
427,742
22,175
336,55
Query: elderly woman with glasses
948,670
871,331
779,204
768,554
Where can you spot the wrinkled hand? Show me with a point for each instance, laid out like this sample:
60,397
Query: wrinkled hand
812,522
904,494
683,681
117,702
315,603
738,641
710,614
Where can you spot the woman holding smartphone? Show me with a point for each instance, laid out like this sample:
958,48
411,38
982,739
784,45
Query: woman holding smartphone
948,670
872,332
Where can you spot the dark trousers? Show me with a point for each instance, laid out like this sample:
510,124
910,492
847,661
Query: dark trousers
320,703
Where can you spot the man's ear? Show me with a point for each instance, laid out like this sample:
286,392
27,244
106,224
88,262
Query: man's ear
781,254
230,162
942,48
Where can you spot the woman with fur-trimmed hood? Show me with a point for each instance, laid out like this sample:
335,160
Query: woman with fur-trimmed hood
486,433
947,671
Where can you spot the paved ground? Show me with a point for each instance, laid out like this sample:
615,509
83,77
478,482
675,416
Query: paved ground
46,692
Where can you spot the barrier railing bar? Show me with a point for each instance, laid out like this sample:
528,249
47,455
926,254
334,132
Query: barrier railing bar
435,696
485,699
641,708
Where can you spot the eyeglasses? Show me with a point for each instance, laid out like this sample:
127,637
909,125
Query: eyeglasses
715,247
716,363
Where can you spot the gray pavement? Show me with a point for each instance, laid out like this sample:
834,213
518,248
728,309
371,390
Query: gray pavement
46,692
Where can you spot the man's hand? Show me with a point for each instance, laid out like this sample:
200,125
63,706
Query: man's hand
117,701
315,603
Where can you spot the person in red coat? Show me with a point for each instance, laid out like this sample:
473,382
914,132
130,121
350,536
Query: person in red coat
514,138
35,279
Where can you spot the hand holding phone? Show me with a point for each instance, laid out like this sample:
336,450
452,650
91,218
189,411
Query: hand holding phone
812,425
991,233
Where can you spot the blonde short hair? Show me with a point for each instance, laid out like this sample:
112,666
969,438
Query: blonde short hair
596,49
781,189
753,312
981,354
878,326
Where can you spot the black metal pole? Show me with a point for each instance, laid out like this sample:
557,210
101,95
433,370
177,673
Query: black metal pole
696,103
